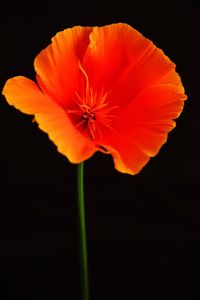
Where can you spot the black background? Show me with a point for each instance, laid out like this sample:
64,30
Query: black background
143,230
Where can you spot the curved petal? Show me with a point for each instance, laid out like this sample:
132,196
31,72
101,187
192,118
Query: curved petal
25,95
161,102
110,52
142,127
153,69
57,66
129,160
125,63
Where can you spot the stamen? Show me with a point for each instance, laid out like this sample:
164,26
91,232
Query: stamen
86,77
93,110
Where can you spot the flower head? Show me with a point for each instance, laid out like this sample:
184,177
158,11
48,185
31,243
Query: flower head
105,89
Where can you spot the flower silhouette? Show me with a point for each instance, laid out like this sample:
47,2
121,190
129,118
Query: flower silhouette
105,89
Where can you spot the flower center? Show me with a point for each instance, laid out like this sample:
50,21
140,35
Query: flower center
92,114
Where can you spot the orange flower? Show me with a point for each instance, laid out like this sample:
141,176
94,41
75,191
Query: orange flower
103,89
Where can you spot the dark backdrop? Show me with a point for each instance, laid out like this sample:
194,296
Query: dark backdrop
143,230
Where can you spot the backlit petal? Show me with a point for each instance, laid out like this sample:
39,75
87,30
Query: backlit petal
57,66
153,69
125,63
161,102
129,160
25,95
110,52
142,127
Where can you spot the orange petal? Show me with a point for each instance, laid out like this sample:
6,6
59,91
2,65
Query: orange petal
142,127
25,95
57,66
153,69
110,52
162,102
125,63
129,160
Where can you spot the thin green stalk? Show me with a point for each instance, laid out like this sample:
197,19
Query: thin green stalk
82,234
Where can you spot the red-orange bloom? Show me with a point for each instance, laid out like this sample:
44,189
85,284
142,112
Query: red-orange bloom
103,89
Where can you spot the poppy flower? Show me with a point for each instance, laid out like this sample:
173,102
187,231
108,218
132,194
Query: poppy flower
105,89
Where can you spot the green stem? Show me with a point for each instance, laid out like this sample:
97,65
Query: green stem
82,233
